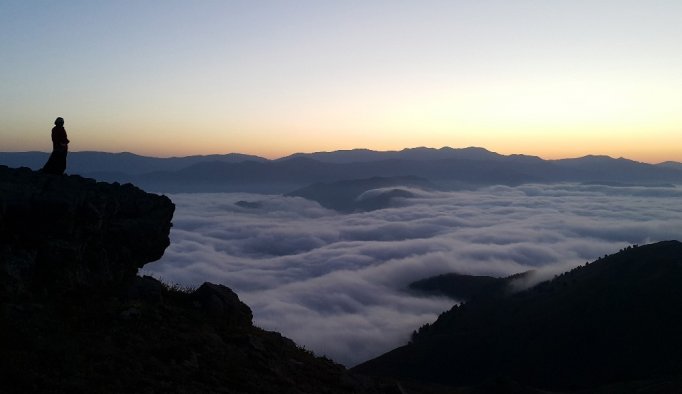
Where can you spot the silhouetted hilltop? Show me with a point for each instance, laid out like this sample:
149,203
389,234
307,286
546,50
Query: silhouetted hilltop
613,324
671,164
605,168
75,318
421,153
465,287
367,194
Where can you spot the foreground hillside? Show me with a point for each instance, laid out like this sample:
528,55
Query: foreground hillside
609,326
75,318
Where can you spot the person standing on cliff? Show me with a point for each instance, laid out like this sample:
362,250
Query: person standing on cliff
56,164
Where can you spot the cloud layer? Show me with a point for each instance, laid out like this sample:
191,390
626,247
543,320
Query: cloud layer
335,283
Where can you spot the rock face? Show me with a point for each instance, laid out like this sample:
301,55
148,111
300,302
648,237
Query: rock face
76,318
222,303
61,233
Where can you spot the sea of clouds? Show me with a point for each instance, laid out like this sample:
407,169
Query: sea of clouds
336,283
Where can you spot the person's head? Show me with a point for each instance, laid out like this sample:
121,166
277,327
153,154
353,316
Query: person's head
59,122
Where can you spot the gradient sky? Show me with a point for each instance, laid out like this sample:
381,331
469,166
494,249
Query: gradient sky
549,78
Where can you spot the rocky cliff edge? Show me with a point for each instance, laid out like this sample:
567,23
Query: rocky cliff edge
65,233
76,318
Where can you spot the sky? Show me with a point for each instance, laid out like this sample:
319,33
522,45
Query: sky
173,78
337,283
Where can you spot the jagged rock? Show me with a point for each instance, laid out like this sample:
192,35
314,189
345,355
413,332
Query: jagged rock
71,233
221,302
147,289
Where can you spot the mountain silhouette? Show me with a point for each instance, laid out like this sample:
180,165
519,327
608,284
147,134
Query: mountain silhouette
466,287
670,164
121,164
612,323
421,153
448,167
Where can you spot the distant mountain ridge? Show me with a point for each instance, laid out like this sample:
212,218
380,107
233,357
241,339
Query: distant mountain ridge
670,164
420,153
447,167
87,162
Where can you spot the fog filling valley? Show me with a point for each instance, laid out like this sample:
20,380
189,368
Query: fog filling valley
336,283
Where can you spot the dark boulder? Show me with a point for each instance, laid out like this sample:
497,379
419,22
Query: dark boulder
222,303
146,289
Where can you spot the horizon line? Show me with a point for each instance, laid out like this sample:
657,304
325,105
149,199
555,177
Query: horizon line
347,150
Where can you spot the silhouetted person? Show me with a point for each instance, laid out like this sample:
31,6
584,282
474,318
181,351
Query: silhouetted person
56,164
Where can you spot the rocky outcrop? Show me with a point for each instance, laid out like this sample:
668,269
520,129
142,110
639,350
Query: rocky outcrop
222,303
62,233
76,318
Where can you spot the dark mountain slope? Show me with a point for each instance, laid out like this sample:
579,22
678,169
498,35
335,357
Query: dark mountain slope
615,320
